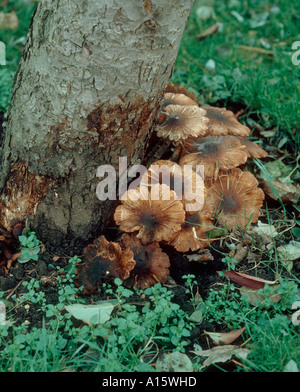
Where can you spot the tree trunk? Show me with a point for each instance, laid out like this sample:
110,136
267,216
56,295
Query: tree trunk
88,91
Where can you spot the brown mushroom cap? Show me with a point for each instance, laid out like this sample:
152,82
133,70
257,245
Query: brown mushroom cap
149,213
104,261
215,153
152,264
223,122
253,150
185,182
192,237
171,88
181,122
235,199
178,99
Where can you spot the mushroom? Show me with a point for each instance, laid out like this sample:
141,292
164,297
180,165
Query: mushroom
235,199
187,184
215,153
155,214
178,99
181,122
104,261
223,122
171,88
8,244
253,150
192,237
152,264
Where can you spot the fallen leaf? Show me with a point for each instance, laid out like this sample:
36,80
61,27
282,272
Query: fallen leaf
287,192
257,299
291,367
197,315
288,253
209,32
240,253
268,133
238,16
202,255
264,229
92,314
174,362
204,12
276,170
8,21
3,320
224,338
221,354
248,281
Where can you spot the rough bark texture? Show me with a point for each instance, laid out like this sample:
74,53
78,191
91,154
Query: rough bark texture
88,91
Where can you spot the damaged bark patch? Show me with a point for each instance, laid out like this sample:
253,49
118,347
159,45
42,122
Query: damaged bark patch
23,193
148,6
124,125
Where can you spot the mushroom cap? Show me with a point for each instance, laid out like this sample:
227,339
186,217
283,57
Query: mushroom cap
185,182
192,237
104,261
171,88
152,264
215,153
181,122
178,99
156,214
223,122
235,199
253,150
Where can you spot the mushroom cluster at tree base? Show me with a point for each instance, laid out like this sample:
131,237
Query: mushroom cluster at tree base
181,200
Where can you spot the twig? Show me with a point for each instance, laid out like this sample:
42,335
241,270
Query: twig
14,289
257,50
240,364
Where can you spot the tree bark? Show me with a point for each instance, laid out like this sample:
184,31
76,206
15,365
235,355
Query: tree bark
88,91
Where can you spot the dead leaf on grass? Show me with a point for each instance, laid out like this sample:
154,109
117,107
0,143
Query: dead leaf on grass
8,21
291,367
221,354
224,338
240,253
289,253
264,229
174,362
251,282
287,192
257,299
201,255
92,314
209,32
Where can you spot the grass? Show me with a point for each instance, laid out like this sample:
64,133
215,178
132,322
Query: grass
252,70
265,85
14,42
138,331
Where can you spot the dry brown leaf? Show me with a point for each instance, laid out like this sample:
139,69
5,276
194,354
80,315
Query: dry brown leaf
8,21
287,192
224,338
202,255
240,253
209,32
221,354
248,281
253,295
